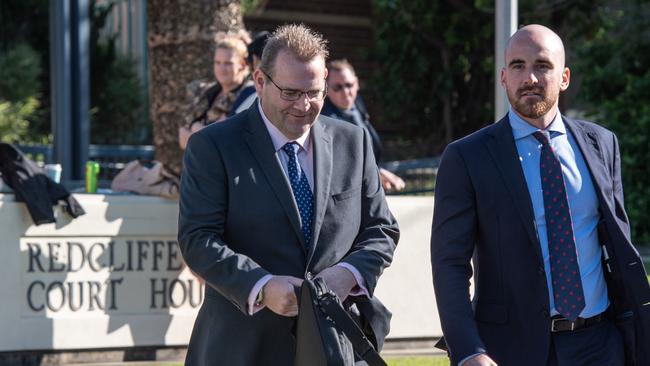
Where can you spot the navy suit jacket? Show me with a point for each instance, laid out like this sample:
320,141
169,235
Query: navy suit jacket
239,222
330,110
483,212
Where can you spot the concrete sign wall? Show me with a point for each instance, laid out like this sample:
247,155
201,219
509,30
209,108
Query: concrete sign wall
115,278
89,275
406,287
111,278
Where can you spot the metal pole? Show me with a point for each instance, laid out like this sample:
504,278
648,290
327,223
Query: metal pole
80,102
60,84
505,25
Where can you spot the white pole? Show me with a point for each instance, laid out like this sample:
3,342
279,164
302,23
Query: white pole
505,25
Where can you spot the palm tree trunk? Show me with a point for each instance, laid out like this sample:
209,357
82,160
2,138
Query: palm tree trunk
181,44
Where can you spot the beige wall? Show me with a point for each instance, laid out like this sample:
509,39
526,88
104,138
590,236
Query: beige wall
113,277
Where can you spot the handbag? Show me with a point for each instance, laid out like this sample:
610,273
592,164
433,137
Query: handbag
147,178
326,333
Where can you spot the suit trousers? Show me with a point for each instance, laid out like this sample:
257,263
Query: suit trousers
598,345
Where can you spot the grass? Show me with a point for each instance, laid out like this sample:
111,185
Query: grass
392,361
418,361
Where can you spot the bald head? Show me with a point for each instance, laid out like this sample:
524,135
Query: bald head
535,74
535,35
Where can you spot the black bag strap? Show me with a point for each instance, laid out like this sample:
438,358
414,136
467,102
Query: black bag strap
330,305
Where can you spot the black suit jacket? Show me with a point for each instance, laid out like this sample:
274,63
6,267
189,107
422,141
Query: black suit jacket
483,210
330,110
239,221
32,186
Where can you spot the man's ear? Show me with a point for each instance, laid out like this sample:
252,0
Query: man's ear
566,79
258,80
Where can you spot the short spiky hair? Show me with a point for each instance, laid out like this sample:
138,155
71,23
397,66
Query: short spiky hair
302,42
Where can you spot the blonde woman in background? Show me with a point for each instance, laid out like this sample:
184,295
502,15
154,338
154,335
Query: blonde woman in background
214,101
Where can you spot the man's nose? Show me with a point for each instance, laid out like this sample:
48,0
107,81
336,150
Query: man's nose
531,78
302,103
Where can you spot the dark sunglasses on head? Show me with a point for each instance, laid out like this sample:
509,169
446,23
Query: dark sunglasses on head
339,87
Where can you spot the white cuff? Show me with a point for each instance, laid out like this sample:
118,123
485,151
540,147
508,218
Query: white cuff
252,307
468,358
360,289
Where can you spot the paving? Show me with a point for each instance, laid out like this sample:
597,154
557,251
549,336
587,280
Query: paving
173,355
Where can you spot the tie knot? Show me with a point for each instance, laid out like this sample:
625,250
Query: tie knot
291,148
541,137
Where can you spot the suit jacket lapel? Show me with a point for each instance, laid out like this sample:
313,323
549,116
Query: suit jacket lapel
322,176
261,146
504,152
591,151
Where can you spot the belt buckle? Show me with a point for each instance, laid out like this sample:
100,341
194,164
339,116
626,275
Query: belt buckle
554,321
553,330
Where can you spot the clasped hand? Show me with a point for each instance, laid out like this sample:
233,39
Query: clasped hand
280,295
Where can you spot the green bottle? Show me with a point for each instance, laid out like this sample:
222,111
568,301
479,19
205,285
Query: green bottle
92,169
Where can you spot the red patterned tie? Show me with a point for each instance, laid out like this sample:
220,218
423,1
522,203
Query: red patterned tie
565,273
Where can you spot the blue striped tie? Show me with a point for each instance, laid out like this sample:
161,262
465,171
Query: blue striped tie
301,191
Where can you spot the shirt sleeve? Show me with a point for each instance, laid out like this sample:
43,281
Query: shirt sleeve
259,285
462,362
360,289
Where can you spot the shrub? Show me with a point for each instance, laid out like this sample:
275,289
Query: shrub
20,70
117,103
615,84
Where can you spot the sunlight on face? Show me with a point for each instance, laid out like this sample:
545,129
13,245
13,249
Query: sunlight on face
292,118
534,74
229,68
343,87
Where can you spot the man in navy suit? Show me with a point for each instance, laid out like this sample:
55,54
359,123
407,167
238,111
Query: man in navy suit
536,201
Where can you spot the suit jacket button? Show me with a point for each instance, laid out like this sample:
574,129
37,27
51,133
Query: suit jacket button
541,270
309,276
545,312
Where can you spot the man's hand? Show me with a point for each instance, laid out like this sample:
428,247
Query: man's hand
279,295
390,181
339,280
480,360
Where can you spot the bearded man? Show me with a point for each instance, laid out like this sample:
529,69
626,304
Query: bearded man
536,201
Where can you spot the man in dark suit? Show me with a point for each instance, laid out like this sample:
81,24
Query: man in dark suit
276,194
344,102
536,200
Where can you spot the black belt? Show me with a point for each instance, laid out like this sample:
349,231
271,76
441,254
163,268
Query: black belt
561,324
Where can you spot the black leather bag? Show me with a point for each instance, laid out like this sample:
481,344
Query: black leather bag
326,334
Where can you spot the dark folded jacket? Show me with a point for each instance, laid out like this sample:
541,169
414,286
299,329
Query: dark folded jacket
32,186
